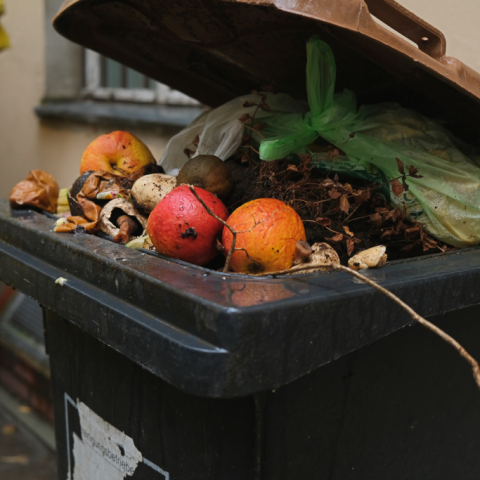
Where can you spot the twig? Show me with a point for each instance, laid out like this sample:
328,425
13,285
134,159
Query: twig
233,232
473,363
359,218
419,319
263,97
355,209
329,229
298,268
254,130
333,231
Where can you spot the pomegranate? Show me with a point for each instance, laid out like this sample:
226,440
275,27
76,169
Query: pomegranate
180,227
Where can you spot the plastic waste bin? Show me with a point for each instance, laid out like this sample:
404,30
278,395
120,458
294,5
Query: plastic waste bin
164,370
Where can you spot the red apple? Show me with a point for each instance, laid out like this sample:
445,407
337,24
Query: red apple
118,152
180,227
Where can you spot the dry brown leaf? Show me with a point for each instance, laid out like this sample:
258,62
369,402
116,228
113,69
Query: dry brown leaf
388,233
39,190
324,222
412,172
344,204
348,231
328,182
393,215
334,193
245,118
400,166
376,219
245,158
429,243
363,196
292,167
336,238
350,246
249,104
412,232
348,188
397,188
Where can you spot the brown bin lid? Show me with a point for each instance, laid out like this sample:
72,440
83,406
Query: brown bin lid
215,50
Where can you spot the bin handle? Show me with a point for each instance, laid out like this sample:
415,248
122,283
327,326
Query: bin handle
428,38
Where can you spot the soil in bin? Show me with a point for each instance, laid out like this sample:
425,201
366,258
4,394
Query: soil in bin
348,214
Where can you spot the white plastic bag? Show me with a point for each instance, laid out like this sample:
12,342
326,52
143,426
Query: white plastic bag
220,131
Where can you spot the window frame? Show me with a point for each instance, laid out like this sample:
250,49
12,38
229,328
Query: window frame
93,88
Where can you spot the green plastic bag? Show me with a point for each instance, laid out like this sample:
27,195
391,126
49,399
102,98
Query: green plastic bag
447,197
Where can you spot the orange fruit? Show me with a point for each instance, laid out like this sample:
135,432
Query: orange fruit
270,229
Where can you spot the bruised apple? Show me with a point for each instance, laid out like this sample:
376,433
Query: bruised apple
180,227
118,152
269,230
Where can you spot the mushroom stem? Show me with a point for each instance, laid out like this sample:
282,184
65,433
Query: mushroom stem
127,228
303,250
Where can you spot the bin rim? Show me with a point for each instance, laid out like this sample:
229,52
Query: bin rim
216,335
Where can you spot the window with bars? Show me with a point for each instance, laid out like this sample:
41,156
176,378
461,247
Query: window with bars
106,79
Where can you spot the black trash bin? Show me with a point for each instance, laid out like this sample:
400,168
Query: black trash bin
163,370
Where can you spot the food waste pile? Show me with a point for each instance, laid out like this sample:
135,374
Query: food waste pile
242,215
265,183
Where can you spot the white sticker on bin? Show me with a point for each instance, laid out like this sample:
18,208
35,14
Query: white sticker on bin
103,452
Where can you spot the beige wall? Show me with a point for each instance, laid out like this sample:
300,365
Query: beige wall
25,143
459,22
21,87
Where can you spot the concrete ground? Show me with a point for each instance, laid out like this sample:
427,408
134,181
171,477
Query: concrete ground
22,455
